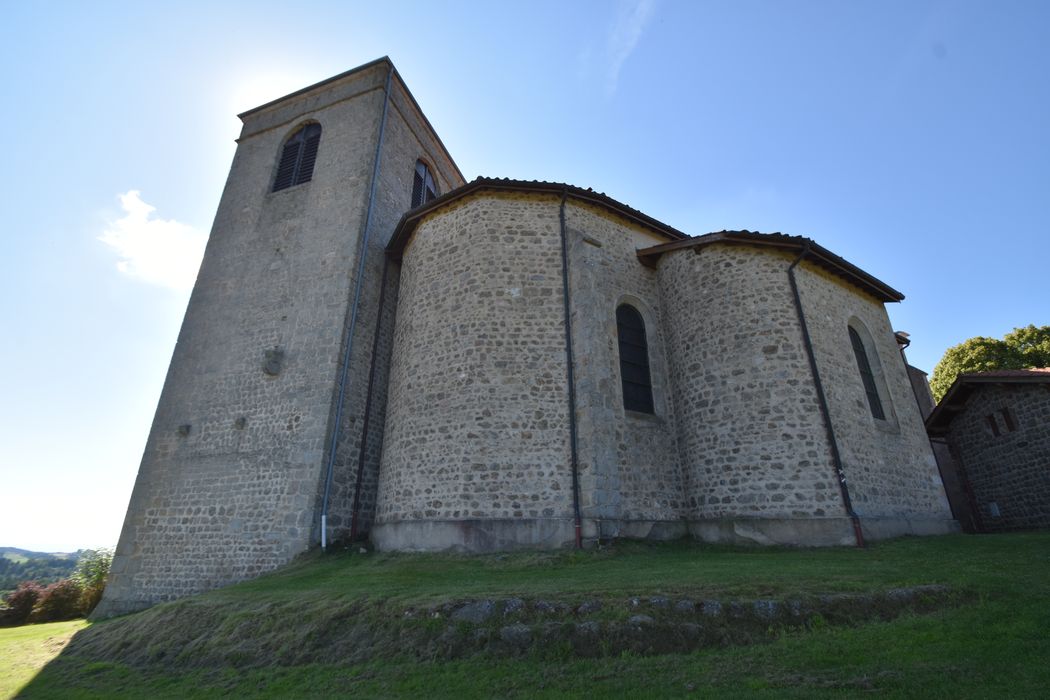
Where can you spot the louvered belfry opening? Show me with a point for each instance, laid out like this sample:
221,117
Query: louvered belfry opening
298,158
634,360
866,375
423,187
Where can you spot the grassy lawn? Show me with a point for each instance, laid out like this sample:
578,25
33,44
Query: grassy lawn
25,650
997,644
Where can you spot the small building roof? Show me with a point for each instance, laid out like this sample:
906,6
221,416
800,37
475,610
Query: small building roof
954,402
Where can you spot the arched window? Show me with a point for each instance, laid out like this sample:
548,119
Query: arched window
298,157
423,187
634,360
867,377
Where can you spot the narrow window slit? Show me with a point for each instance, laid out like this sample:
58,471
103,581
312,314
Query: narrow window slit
635,377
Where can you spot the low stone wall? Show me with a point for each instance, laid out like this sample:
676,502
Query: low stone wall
198,635
652,625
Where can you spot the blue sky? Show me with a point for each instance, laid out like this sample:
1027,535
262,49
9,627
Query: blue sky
910,137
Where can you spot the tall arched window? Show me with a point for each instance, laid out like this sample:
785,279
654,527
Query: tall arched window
867,377
424,188
298,157
634,360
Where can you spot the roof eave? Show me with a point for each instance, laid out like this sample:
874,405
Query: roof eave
411,219
816,252
954,400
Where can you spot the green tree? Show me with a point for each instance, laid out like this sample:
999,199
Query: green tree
1032,344
90,574
1021,348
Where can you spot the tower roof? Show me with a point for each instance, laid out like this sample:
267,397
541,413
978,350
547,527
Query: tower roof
329,82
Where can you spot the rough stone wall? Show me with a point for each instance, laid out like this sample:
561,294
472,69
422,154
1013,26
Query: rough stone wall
954,490
470,381
630,477
751,438
477,413
1012,469
889,465
406,139
231,477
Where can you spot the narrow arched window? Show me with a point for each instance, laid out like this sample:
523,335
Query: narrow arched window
867,377
634,360
423,187
298,157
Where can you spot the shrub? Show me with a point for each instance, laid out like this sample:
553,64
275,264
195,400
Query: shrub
20,603
59,601
91,572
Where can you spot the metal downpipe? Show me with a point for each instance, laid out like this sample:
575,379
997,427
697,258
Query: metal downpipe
570,374
345,370
836,457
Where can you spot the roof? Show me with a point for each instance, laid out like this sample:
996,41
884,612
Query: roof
385,60
814,253
954,402
407,226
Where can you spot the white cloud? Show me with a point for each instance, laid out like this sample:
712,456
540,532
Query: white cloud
631,18
158,251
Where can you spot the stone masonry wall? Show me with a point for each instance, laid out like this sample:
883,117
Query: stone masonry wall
889,465
229,480
469,413
751,437
630,478
1012,469
476,425
406,139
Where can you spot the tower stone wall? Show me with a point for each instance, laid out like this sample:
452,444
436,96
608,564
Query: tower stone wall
234,470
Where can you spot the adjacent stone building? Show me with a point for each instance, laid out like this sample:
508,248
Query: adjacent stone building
997,426
376,348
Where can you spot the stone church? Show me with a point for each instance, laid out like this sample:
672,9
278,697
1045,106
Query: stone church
376,348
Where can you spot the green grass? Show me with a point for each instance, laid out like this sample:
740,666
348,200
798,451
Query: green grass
24,650
997,644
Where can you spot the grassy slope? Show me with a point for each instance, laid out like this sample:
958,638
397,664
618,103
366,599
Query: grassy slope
997,646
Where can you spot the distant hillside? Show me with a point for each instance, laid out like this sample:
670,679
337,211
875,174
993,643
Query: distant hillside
17,565
20,555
